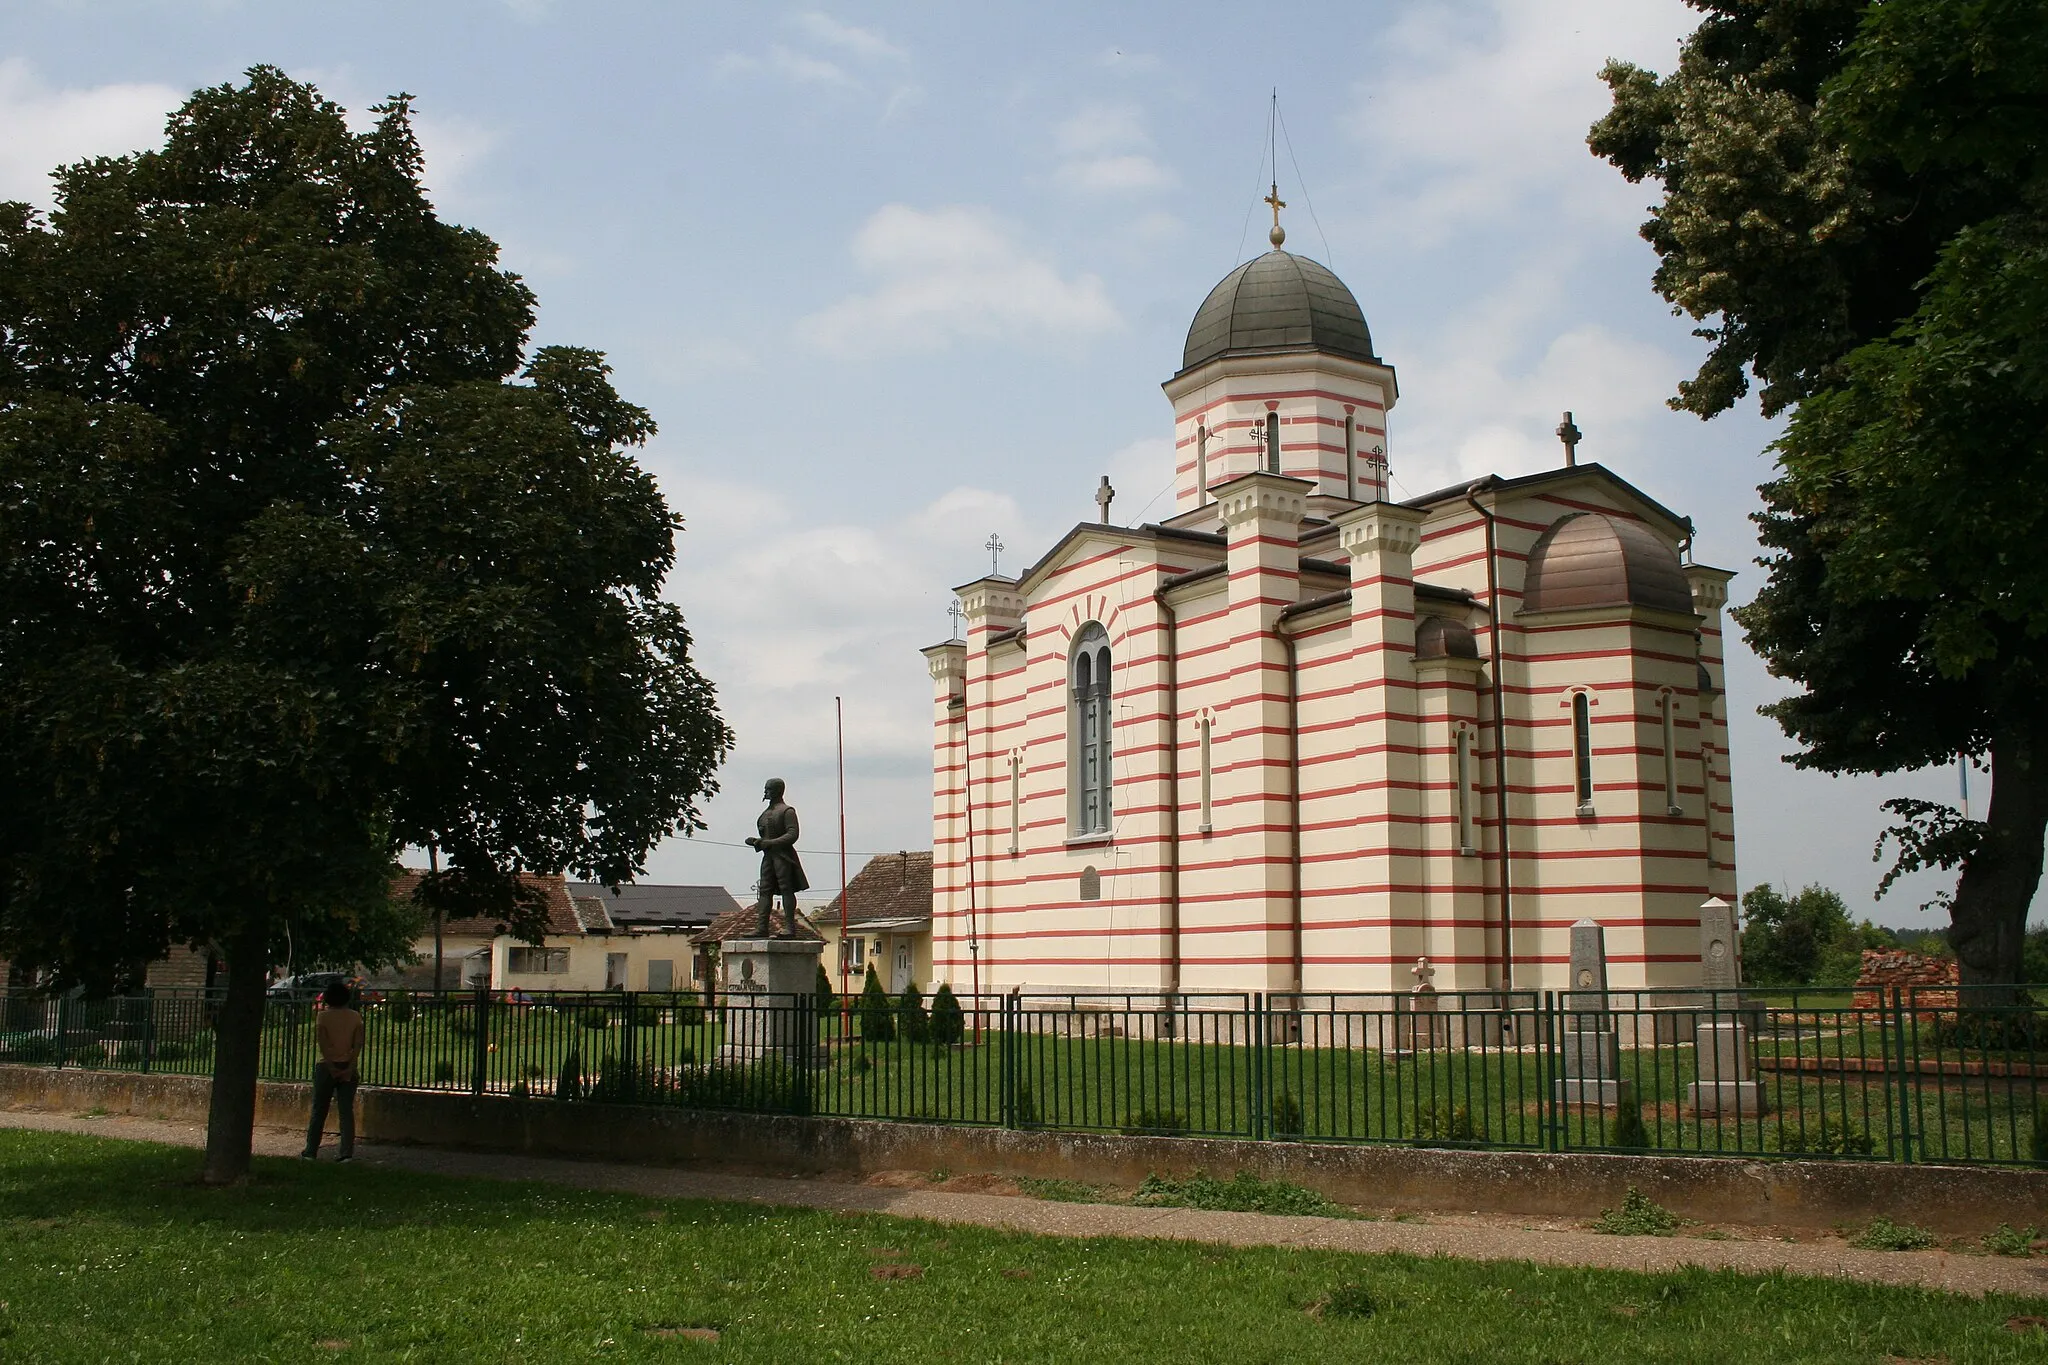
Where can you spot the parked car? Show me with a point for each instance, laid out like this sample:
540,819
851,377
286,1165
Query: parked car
307,986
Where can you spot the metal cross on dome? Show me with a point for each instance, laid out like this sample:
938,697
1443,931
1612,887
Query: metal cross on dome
956,613
994,546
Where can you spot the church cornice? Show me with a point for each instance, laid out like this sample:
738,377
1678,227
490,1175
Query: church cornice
1498,490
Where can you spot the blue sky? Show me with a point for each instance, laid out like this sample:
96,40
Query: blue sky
893,277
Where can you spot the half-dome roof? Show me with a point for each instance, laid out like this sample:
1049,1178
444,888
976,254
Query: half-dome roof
1439,637
1278,302
1589,559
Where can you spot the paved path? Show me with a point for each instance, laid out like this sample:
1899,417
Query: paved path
1476,1238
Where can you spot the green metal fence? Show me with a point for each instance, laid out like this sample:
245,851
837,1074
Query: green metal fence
1945,1075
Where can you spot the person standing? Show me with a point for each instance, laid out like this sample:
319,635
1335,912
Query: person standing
339,1033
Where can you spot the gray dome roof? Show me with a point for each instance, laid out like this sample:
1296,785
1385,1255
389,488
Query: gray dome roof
1589,559
1278,301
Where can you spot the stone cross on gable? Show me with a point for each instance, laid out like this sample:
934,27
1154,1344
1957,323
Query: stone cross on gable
956,613
1104,496
995,547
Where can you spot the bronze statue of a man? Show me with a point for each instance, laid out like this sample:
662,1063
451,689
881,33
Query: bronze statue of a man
781,873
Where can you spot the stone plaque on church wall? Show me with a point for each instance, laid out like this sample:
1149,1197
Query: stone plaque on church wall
1091,884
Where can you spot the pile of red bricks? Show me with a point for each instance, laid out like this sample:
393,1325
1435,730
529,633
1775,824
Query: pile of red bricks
1884,969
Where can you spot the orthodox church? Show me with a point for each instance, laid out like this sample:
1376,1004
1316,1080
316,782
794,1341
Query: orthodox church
1298,734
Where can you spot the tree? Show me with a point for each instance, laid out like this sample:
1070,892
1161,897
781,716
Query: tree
822,993
877,1015
1853,206
303,561
948,1021
913,1025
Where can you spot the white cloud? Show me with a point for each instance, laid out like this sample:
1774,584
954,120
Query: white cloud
1478,119
863,43
798,67
47,127
953,273
1107,150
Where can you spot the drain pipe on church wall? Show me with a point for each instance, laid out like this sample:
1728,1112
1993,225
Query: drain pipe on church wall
1500,749
1283,628
1172,799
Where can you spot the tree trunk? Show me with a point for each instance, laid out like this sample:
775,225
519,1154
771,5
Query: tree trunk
237,1047
1988,922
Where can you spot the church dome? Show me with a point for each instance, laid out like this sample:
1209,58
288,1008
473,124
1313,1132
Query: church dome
1439,637
1278,302
1589,559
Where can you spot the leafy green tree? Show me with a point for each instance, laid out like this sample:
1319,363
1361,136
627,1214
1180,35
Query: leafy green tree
877,1015
1853,209
303,561
913,1024
825,998
948,1021
1784,940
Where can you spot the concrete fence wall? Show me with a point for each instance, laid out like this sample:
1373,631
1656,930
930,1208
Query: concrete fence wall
1954,1200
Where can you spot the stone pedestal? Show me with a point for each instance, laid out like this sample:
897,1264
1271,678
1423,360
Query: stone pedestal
1726,1085
769,992
1592,1066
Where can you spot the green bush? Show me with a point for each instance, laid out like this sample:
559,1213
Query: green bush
1286,1115
1154,1121
1638,1216
444,1071
1439,1121
2008,1240
1628,1130
913,1025
594,1017
520,1090
171,1051
532,1071
1885,1235
92,1054
1242,1193
461,1020
948,1023
400,1007
877,1015
33,1049
769,1086
569,1080
689,1009
2039,1141
1023,1105
827,1000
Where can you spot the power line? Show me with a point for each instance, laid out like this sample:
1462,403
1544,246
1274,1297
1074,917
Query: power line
1329,258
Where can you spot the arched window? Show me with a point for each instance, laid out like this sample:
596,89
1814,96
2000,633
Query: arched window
1273,443
1090,767
1582,749
1202,463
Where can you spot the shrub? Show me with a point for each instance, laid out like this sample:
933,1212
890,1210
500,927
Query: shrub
689,1009
826,998
614,1084
520,1090
594,1017
1348,1300
92,1054
1023,1106
913,1025
400,1007
1155,1121
1638,1216
948,1023
444,1070
2039,1141
1242,1193
1442,1121
1885,1235
2008,1240
33,1049
769,1086
172,1051
462,1020
569,1080
532,1071
877,1015
1286,1114
1629,1130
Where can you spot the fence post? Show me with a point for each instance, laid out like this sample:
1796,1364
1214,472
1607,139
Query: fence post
631,1088
1547,1071
1006,1068
1262,1039
480,1071
148,1027
63,1030
1905,1074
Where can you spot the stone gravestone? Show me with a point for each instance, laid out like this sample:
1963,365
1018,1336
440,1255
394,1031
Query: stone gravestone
1592,1053
770,986
1726,1083
1419,1025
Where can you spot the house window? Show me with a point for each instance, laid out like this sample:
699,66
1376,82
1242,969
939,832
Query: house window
852,952
1582,749
537,961
1091,743
1671,806
1463,777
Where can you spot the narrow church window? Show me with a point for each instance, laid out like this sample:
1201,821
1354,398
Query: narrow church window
1015,765
1464,779
1582,749
1201,463
1203,724
1707,799
1671,806
1273,443
1350,456
1091,731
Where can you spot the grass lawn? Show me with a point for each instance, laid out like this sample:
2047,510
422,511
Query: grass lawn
109,1252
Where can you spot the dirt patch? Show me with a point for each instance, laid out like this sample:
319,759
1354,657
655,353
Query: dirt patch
897,1270
682,1333
951,1184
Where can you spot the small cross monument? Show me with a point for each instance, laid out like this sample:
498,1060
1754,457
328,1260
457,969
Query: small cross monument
1104,496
